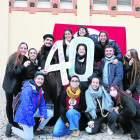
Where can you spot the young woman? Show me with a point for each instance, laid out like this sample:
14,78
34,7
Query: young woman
131,65
30,70
31,99
17,62
80,66
67,37
72,103
99,108
129,109
100,48
83,31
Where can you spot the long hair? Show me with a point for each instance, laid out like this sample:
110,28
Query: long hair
18,58
64,43
119,91
105,33
135,65
87,33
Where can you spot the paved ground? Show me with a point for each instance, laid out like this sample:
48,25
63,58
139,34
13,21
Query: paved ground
83,135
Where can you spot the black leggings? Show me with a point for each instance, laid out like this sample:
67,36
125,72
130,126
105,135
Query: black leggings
127,127
9,110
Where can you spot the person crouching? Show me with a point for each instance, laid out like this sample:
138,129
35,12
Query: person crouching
72,102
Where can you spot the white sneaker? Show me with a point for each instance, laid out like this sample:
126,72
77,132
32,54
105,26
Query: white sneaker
109,131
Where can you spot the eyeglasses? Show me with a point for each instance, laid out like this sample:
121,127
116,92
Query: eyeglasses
74,81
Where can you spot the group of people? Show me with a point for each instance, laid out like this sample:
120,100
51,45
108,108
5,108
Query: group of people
110,95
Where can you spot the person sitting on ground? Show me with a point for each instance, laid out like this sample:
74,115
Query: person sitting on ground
31,99
72,103
129,109
99,108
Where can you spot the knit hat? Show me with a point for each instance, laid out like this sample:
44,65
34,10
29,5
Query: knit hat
38,73
48,35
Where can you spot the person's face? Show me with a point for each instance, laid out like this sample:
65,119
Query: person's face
23,49
103,37
48,42
95,83
82,32
32,55
81,50
39,80
128,55
68,36
109,52
113,92
74,83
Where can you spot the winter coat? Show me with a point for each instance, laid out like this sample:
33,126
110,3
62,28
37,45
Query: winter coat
115,73
11,74
46,85
135,85
130,109
29,101
81,106
29,72
80,68
100,49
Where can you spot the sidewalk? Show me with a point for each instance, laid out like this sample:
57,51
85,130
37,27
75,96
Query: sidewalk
83,135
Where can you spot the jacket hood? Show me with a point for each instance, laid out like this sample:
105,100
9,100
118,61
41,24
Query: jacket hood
28,84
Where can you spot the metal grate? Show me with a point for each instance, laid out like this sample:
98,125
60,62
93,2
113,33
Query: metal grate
124,2
102,2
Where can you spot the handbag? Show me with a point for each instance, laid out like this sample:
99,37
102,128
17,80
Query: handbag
16,101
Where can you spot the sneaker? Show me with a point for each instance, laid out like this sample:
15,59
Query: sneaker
76,133
109,131
41,132
8,130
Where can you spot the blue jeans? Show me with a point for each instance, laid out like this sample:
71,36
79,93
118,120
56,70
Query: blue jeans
49,116
26,133
60,129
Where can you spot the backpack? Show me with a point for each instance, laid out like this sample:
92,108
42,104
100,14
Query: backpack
16,101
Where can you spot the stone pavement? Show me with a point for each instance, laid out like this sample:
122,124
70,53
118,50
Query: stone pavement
83,135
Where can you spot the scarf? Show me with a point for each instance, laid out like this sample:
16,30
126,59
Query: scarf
110,58
81,60
67,49
107,103
119,91
71,94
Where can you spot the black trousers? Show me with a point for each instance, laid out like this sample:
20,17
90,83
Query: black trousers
127,127
111,120
9,109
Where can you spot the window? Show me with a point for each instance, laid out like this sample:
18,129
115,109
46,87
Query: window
66,4
20,3
124,5
100,4
43,3
66,1
124,2
21,0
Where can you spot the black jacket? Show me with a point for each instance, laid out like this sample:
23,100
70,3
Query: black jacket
81,106
126,79
100,49
80,68
131,110
29,72
13,74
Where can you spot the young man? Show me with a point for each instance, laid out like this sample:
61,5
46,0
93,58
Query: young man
111,73
52,86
